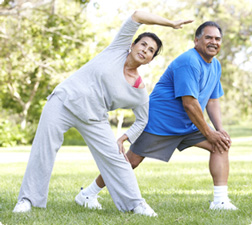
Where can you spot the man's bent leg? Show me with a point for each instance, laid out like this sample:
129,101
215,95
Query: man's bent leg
134,160
100,182
219,169
96,187
218,164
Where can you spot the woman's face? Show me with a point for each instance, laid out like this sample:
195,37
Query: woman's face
144,50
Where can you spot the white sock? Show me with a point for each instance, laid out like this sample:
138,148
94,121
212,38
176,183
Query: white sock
220,193
92,189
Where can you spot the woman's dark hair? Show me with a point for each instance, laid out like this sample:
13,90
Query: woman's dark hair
154,37
200,29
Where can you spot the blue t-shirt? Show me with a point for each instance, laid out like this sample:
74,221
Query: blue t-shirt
187,75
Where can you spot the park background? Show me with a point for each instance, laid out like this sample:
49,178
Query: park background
42,42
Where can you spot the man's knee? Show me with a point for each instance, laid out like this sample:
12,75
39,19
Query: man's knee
207,146
134,164
134,159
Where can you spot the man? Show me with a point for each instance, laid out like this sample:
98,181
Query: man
190,84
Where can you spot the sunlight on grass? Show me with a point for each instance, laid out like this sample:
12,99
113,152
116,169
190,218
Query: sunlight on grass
179,191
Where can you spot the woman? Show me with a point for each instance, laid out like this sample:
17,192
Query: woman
82,101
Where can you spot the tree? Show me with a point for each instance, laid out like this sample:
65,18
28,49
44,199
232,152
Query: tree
42,43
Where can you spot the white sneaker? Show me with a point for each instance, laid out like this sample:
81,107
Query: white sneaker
90,201
226,205
144,209
24,205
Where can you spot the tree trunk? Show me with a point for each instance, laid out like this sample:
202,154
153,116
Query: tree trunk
120,117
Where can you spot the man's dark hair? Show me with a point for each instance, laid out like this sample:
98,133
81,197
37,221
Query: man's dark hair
199,31
154,37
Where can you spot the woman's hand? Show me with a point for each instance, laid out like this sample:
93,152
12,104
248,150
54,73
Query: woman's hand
121,147
179,23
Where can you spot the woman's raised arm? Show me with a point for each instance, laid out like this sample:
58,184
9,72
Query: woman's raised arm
152,19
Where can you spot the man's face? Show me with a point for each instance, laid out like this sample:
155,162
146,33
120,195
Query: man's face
209,44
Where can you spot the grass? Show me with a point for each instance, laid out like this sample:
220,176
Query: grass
179,191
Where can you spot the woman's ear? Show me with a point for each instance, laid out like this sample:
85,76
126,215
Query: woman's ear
132,45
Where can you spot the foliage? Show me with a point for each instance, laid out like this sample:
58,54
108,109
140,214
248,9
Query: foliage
73,137
43,42
11,134
41,46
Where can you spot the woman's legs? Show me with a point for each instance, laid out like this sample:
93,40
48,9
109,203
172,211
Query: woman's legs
48,139
115,170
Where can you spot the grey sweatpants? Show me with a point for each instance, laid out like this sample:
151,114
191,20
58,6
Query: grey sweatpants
116,171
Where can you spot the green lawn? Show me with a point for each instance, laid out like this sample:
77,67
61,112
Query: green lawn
179,191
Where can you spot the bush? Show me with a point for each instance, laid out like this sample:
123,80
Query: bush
11,135
73,137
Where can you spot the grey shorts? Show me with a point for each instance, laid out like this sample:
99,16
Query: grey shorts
162,147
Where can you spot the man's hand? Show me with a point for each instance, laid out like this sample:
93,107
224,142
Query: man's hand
219,140
226,135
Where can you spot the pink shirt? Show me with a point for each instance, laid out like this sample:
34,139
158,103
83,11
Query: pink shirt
138,82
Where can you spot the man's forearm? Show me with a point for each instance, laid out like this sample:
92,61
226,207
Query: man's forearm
214,113
193,110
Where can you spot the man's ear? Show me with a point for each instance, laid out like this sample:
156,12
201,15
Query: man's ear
196,41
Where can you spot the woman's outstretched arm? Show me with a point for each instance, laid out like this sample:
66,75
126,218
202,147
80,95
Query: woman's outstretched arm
152,19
